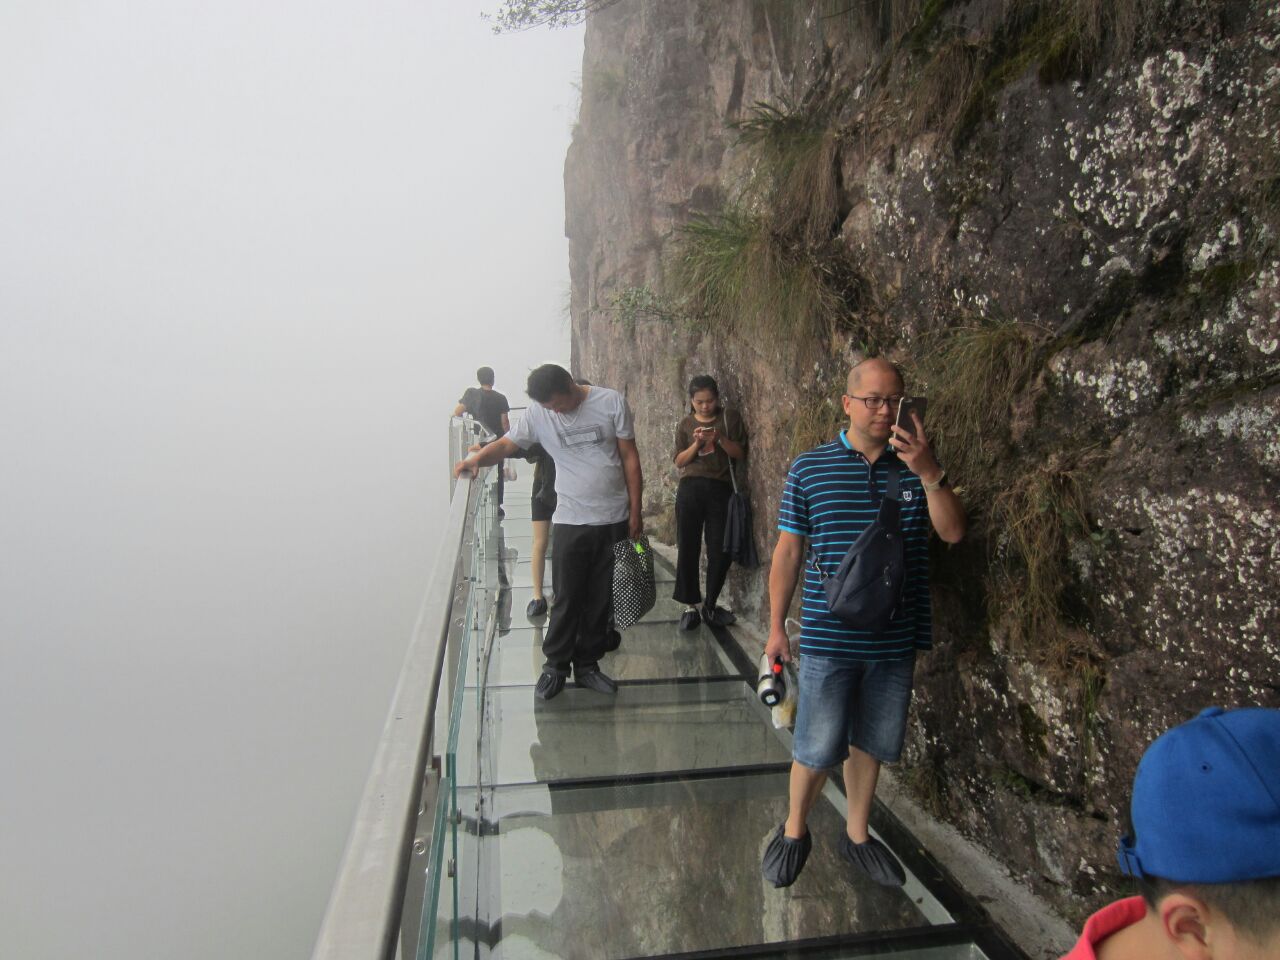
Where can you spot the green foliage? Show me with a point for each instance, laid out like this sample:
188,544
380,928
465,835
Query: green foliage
922,22
1037,517
795,149
938,74
1091,681
1060,38
971,375
637,303
605,83
818,417
527,14
946,84
736,275
1014,782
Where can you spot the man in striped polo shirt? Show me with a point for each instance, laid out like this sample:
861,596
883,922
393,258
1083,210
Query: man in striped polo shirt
855,683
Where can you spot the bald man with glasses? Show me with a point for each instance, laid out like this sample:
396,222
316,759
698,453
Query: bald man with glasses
855,678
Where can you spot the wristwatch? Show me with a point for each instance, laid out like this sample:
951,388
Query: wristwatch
940,482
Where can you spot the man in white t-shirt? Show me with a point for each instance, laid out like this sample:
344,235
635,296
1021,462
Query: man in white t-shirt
588,432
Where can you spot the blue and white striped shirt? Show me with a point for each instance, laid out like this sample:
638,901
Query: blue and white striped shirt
829,499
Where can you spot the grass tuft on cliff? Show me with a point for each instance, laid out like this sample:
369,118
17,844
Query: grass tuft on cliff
795,152
943,77
946,84
972,374
634,304
1038,517
818,416
1061,39
736,275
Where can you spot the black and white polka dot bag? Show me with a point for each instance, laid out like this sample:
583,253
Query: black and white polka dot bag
634,592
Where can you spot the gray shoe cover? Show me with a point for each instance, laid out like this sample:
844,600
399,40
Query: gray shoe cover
874,859
593,679
549,685
784,858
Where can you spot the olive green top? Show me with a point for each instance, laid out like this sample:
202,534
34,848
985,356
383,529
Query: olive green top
716,463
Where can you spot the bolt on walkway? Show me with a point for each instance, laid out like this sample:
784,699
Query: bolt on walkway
600,827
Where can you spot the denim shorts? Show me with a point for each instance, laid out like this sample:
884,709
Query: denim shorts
851,703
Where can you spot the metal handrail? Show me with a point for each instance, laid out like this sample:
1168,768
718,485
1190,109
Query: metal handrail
362,921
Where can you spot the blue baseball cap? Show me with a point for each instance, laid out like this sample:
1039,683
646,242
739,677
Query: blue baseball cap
1206,801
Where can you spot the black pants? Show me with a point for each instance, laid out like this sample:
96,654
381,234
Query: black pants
702,504
582,577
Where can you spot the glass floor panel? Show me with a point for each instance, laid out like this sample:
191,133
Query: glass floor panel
633,825
643,729
649,651
626,870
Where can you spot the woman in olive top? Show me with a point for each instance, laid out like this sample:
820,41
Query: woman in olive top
708,440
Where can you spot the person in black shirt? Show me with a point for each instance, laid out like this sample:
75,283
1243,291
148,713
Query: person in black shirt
490,408
485,404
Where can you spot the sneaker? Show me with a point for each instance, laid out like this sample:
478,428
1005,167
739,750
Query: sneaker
549,685
689,620
784,858
874,859
612,640
593,679
537,607
717,616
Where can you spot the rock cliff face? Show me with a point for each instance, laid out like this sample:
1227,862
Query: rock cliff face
1061,218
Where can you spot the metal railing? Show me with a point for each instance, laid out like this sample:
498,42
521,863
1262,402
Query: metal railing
363,918
377,904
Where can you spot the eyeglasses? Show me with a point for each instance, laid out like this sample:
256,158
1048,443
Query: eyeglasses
875,403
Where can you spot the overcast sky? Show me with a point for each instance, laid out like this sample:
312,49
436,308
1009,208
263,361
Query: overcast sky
250,255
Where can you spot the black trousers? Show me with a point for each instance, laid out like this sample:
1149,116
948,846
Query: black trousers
702,505
582,577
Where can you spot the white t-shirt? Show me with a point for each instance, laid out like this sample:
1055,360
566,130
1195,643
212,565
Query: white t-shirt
591,488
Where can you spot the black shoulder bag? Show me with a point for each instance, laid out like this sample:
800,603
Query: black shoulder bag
866,588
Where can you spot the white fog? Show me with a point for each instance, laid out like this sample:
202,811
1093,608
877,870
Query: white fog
250,256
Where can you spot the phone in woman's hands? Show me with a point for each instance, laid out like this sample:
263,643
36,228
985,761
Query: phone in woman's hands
704,437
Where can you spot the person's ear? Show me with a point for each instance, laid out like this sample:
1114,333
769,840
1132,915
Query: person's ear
848,401
1185,923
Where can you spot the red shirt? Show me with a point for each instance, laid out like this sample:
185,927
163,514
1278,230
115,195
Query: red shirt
1110,919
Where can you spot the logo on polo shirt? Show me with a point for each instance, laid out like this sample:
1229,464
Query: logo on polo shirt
907,495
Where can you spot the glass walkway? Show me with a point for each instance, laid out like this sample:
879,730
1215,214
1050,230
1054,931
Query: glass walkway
595,826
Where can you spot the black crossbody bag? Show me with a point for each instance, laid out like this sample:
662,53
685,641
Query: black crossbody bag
866,588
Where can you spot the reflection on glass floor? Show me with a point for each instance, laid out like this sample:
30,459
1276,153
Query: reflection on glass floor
633,825
651,855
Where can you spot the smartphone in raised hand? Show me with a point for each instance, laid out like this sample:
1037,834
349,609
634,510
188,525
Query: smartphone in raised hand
908,406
